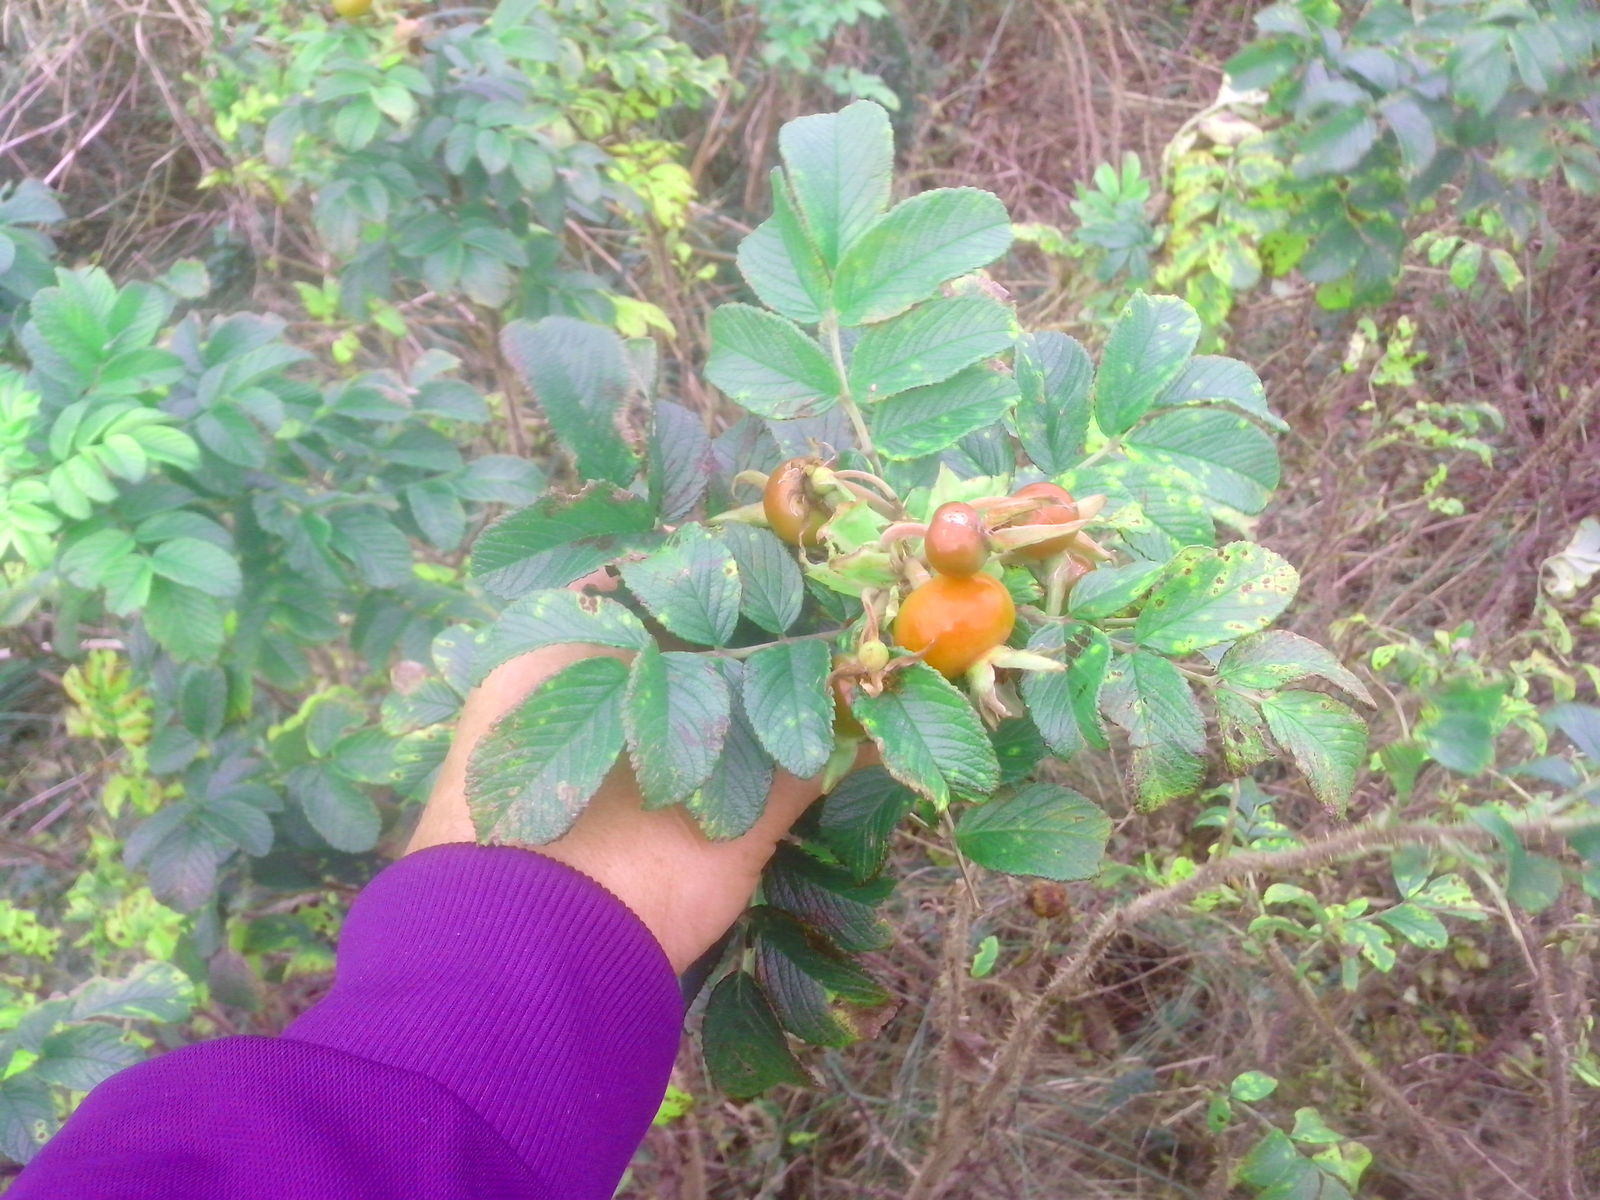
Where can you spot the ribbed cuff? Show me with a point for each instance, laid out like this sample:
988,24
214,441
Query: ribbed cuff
525,988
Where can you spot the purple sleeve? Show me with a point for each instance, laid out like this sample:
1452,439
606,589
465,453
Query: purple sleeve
499,1027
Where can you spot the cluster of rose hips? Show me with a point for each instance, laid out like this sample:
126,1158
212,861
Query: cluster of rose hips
955,613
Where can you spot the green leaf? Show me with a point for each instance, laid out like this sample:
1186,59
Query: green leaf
555,616
1054,377
767,365
152,991
1041,829
1018,747
1335,144
559,539
772,589
691,586
1149,345
1327,742
1148,697
1459,725
192,563
929,736
27,1116
380,553
1252,1086
1268,660
180,853
790,705
1228,456
1212,379
782,264
927,420
1581,723
744,1047
186,622
1208,596
733,798
537,768
1106,591
1416,924
681,460
1242,731
1534,882
437,510
1066,705
813,986
341,813
928,345
1261,64
840,165
579,375
1412,129
858,818
829,898
988,953
84,1056
916,246
676,713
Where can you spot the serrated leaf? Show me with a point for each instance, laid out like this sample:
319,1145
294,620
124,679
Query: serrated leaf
1581,723
1041,829
790,705
1242,731
814,988
180,853
767,365
1335,144
1054,378
1149,344
27,1116
781,263
186,622
681,461
341,813
1213,379
927,420
858,818
1327,742
691,586
676,713
152,991
744,1047
1149,698
579,376
929,736
537,768
927,345
1018,747
1208,596
555,616
559,539
772,590
919,244
840,165
200,565
1266,661
1106,591
733,798
829,898
1412,129
1066,705
1233,462
84,1056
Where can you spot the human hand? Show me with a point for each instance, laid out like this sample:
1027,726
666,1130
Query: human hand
686,889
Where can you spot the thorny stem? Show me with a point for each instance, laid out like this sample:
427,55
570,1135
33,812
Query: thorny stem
967,1130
